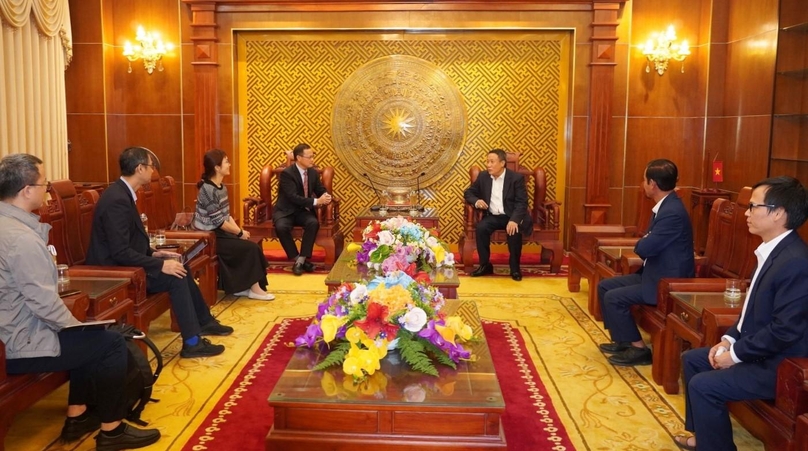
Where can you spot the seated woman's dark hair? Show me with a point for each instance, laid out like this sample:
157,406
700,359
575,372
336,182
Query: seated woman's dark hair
213,158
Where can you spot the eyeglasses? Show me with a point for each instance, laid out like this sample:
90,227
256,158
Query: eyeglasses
753,205
150,165
307,156
47,185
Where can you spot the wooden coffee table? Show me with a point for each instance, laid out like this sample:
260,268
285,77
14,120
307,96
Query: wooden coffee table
399,410
347,270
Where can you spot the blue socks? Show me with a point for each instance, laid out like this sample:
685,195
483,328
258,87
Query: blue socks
192,341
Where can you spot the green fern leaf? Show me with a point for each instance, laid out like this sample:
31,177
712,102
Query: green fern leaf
412,351
335,357
438,354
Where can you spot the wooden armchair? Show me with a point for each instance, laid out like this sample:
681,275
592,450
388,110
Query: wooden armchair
585,239
258,213
729,254
545,214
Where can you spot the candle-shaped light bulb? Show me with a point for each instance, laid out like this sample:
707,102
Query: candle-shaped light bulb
141,33
671,33
127,49
684,48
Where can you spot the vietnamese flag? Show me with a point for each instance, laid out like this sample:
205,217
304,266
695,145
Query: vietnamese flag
718,171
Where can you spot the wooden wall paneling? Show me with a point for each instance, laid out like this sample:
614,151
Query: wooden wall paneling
88,150
747,20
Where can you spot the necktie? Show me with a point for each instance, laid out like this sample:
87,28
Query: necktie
306,184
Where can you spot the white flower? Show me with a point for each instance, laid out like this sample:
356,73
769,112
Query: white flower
385,237
431,241
358,293
414,393
415,319
449,259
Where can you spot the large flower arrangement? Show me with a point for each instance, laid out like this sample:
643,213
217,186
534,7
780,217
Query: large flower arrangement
358,323
397,244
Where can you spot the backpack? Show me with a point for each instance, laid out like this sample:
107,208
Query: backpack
139,377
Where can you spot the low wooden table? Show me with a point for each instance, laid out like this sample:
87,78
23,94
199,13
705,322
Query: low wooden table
109,298
609,264
459,410
697,318
347,270
427,218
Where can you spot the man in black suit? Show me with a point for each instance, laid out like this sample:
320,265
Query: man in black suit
299,191
503,197
667,248
119,239
773,324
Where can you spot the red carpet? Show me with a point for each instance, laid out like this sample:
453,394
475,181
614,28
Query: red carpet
241,419
531,264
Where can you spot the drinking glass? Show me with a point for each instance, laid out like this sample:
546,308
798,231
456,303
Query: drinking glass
160,236
62,274
732,291
385,196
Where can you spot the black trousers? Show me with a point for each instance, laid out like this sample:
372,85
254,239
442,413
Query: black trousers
284,225
186,301
98,356
485,228
616,296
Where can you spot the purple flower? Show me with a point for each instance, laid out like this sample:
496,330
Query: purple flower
456,352
363,256
313,332
430,333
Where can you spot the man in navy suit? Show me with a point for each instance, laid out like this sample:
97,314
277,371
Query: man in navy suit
773,324
502,196
119,239
667,250
299,191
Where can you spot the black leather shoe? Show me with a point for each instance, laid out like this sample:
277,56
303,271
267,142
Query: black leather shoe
483,270
216,328
297,269
632,356
130,438
614,347
516,275
308,267
202,349
75,429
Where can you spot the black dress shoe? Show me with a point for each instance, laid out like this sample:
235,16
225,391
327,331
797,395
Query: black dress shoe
483,270
202,349
76,428
632,356
614,347
308,267
516,275
216,328
130,438
297,269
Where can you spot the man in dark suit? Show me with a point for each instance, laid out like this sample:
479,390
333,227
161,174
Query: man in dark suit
299,192
773,324
667,250
503,197
119,239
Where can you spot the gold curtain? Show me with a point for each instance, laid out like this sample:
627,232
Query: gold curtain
36,49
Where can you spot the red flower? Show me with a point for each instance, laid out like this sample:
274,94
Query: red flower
422,277
435,233
376,322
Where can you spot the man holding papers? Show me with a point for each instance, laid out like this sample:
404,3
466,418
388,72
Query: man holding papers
33,318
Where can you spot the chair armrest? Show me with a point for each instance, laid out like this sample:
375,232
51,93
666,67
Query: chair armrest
208,236
614,241
702,266
702,284
791,396
547,215
630,264
78,305
585,238
2,362
256,211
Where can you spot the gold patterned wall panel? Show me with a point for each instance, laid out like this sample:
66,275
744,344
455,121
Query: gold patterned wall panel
514,85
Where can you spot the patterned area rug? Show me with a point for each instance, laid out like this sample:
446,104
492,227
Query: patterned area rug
242,415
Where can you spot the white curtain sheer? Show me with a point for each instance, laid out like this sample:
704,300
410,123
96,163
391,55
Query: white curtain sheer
35,49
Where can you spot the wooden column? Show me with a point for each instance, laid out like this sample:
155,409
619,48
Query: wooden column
604,36
204,35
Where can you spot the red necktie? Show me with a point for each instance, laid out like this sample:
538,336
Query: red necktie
305,183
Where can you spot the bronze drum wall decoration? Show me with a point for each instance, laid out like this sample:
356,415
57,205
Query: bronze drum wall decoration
398,116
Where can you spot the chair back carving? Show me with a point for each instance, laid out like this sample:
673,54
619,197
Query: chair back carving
70,238
156,199
730,247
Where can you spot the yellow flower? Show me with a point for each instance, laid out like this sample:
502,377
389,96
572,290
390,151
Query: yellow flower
352,367
355,335
369,360
454,327
440,253
330,324
395,298
329,384
353,247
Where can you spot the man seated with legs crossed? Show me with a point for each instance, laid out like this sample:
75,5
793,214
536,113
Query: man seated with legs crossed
119,239
32,318
667,250
773,324
299,192
502,196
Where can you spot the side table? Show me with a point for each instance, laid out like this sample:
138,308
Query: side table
109,298
609,264
698,319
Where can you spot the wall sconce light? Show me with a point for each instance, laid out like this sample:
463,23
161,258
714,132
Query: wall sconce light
150,49
663,48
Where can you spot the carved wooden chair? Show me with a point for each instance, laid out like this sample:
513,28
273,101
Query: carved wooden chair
258,213
545,214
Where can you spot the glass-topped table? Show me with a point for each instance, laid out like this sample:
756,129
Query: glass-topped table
325,410
346,269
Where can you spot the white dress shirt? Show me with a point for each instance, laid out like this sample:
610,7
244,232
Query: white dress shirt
496,207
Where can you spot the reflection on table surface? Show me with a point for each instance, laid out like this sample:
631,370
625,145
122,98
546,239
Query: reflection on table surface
617,252
471,384
92,286
346,269
703,300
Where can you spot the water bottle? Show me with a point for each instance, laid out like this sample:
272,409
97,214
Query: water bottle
145,220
